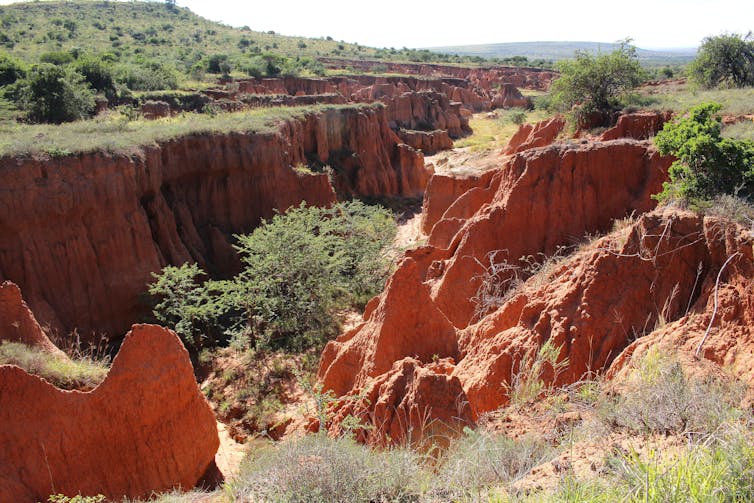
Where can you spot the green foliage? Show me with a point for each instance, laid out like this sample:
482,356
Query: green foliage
54,94
148,76
707,164
218,63
300,269
718,473
186,304
724,60
140,32
11,70
98,73
596,83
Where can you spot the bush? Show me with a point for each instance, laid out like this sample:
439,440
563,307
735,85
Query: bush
11,70
53,94
218,63
98,74
186,305
480,462
300,269
317,468
152,76
707,164
725,60
662,399
596,83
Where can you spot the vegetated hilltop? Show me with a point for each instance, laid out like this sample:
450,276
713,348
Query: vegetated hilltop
556,51
136,32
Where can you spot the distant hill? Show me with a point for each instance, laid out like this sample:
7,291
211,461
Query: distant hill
554,51
136,31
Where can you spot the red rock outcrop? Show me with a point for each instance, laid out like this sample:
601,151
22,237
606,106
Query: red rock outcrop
444,190
484,77
508,96
429,142
146,428
639,126
83,233
540,199
410,404
535,135
594,304
728,326
18,324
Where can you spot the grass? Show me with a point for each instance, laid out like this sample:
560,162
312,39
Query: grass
317,468
82,373
734,101
117,134
493,133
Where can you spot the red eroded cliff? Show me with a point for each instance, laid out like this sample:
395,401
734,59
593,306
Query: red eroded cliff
18,324
540,199
83,233
147,428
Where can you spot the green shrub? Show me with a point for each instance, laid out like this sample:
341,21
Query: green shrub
707,164
186,305
724,60
596,83
98,74
299,269
11,70
54,94
151,76
303,266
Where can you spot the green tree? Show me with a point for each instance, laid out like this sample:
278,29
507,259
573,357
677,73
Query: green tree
596,83
707,164
725,60
51,93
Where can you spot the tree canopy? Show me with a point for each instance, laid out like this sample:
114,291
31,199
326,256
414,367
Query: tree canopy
724,60
597,83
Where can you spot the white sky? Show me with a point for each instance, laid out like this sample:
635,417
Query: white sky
417,23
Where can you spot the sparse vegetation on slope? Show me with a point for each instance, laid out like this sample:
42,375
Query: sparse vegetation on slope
118,134
77,373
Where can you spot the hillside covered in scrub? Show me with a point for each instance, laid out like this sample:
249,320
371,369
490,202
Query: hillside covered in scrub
242,267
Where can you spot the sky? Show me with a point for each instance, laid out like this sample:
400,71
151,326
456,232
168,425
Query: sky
419,23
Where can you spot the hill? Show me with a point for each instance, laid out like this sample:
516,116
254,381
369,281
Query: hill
133,32
554,51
